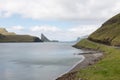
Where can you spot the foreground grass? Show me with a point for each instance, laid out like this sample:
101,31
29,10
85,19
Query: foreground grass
106,69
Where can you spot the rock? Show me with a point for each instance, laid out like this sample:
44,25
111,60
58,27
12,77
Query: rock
44,38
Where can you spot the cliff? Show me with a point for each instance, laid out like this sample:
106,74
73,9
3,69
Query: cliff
44,38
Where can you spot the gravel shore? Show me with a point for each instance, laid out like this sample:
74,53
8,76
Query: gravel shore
91,57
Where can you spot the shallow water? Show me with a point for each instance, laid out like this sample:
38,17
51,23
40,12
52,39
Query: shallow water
36,61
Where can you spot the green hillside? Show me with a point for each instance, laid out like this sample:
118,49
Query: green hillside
109,33
18,38
108,68
6,36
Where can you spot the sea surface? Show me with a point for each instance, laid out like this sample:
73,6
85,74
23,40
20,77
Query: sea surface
36,61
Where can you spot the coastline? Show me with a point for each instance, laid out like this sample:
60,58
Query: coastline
91,57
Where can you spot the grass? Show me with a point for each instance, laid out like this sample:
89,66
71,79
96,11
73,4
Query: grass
6,36
109,33
18,38
106,69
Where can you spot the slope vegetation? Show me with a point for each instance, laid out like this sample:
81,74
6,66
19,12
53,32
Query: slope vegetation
6,36
108,33
106,69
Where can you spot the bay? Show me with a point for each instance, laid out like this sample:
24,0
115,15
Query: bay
36,61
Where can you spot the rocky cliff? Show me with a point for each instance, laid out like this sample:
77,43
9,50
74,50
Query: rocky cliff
44,38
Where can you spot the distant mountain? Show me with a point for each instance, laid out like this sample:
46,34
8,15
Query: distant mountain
6,36
80,38
108,33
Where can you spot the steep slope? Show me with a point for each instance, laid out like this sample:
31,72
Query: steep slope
44,38
108,33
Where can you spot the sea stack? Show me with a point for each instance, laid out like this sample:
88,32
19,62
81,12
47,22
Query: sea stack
44,38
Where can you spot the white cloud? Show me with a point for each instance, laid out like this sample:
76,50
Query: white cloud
76,10
16,28
44,28
60,9
82,30
55,33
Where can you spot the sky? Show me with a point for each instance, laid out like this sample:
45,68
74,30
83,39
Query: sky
63,20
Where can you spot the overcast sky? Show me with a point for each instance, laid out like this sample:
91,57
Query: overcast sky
57,19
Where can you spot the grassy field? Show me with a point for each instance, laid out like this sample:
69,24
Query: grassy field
106,69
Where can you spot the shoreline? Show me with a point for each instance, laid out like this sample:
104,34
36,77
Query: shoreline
72,67
90,58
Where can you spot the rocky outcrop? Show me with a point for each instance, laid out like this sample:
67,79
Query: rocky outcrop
44,38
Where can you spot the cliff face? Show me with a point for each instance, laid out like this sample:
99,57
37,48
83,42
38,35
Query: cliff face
44,38
108,33
6,36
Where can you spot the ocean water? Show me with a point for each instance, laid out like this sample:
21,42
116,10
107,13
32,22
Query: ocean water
36,61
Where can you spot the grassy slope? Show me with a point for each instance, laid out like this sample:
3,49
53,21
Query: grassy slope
106,69
18,38
6,36
109,33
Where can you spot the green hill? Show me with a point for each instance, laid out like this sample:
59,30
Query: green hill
108,68
108,33
18,38
6,36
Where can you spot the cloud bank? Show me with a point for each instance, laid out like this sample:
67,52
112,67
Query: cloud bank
90,11
55,33
60,9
